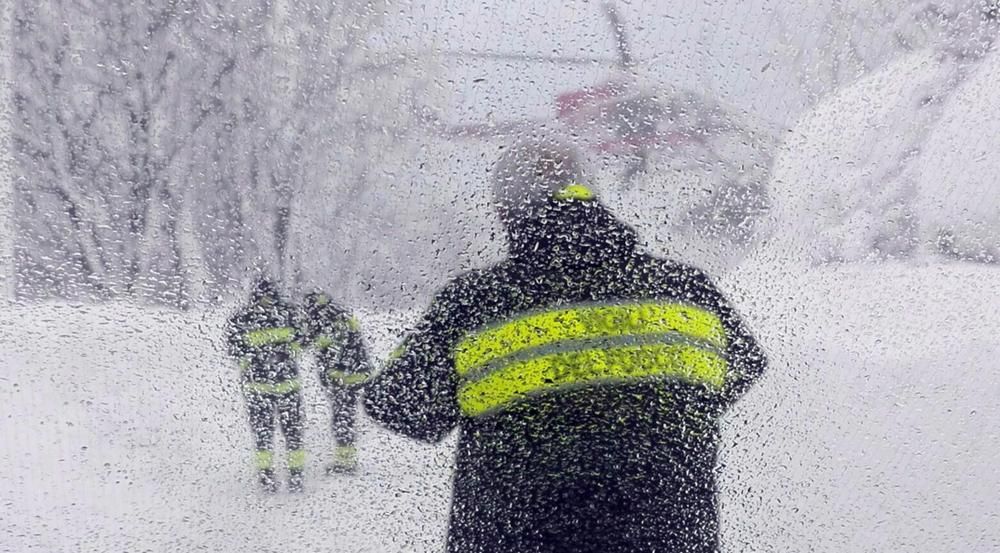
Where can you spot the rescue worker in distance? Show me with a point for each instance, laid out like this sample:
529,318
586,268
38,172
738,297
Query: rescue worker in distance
586,378
343,363
263,338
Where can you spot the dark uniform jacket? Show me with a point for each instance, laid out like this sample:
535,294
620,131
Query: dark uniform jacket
263,337
587,380
340,348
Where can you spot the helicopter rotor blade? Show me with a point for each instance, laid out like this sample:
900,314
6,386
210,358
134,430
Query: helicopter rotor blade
426,118
625,59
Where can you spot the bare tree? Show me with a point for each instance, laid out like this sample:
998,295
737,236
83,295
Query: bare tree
6,164
101,116
310,119
141,125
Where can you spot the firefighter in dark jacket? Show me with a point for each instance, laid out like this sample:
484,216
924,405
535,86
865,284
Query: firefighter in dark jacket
263,338
586,378
342,359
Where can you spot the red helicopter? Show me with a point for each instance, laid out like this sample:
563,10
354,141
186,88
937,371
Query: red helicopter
620,117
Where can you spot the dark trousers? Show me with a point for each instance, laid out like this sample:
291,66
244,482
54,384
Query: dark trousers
288,408
343,403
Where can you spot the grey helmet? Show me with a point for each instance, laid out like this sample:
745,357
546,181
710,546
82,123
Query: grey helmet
264,292
535,172
316,299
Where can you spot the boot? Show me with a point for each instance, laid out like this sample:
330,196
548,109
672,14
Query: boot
296,467
295,481
345,460
267,481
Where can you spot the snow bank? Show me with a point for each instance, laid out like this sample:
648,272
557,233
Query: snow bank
884,166
959,166
837,177
123,429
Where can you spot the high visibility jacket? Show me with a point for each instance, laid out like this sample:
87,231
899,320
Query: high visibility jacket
587,380
340,348
264,339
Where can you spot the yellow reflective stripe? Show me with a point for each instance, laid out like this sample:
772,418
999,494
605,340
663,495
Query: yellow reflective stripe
574,192
263,459
345,453
346,378
277,388
398,352
322,342
588,322
267,336
518,380
345,457
296,458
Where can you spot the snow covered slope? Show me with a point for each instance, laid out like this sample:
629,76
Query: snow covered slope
123,429
959,166
893,163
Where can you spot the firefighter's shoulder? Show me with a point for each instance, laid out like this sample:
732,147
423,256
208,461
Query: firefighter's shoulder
670,277
466,300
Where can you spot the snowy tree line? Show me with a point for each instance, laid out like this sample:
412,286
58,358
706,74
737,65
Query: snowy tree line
169,150
6,163
856,37
162,147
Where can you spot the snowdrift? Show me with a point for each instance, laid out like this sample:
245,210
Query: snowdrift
959,166
123,429
902,161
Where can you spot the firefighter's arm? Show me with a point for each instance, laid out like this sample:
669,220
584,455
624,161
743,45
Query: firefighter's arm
300,337
234,338
353,363
746,359
347,338
305,333
324,329
415,394
352,367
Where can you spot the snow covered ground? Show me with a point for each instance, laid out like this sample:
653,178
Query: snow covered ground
123,430
876,429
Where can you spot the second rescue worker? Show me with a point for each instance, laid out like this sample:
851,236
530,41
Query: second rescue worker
587,379
263,338
344,366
